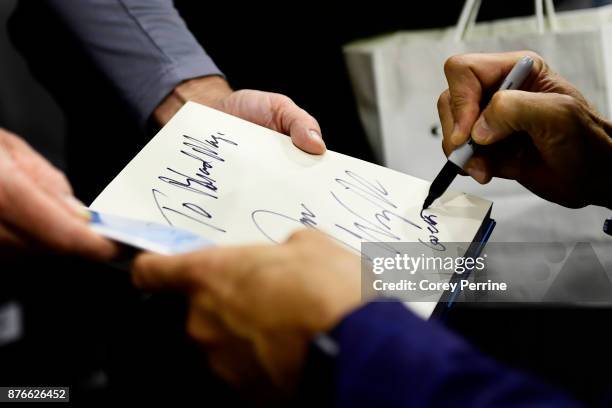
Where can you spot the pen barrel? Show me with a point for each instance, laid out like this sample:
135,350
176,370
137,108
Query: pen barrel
462,154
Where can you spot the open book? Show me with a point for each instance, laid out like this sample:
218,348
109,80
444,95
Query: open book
234,182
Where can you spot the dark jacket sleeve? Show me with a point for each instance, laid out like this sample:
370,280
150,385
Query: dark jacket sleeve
385,356
142,46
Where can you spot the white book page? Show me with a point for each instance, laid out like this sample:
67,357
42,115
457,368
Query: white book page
234,182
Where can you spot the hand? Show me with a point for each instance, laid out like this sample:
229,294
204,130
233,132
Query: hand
271,110
270,299
547,136
37,207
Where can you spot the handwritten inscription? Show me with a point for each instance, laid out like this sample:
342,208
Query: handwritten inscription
371,213
206,154
374,216
433,241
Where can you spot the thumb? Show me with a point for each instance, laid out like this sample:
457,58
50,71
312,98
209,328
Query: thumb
541,115
154,272
302,127
185,272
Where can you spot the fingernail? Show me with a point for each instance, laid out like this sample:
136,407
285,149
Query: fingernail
78,207
482,131
457,137
315,136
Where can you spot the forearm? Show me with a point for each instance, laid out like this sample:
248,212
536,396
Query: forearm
142,46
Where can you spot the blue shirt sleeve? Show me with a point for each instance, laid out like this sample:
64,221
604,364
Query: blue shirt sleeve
388,357
142,46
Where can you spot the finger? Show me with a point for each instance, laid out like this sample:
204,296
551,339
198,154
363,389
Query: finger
204,325
303,128
39,169
154,272
9,239
185,272
12,245
41,172
277,112
470,77
516,127
213,269
446,120
236,362
504,159
39,217
544,116
478,168
509,158
74,206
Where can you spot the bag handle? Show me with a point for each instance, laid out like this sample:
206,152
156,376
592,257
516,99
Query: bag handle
470,10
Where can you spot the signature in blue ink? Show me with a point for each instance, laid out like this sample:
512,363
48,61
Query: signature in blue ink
375,221
206,154
434,241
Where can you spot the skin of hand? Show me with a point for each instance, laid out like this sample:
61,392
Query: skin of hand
37,208
254,309
546,136
271,110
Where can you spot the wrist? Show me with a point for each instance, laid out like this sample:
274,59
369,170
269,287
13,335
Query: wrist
328,312
209,91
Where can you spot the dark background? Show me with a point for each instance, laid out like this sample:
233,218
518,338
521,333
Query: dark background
291,48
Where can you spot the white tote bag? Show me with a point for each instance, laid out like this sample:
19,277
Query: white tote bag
397,80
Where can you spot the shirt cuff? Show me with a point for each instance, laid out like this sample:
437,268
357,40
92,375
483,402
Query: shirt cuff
162,86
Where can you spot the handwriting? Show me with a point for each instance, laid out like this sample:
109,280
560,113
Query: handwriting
307,220
193,212
377,227
373,216
434,241
206,154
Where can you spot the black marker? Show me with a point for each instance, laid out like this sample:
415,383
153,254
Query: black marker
460,156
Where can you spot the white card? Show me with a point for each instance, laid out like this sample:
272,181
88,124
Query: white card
146,235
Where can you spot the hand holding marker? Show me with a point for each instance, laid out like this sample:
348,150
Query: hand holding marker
460,156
